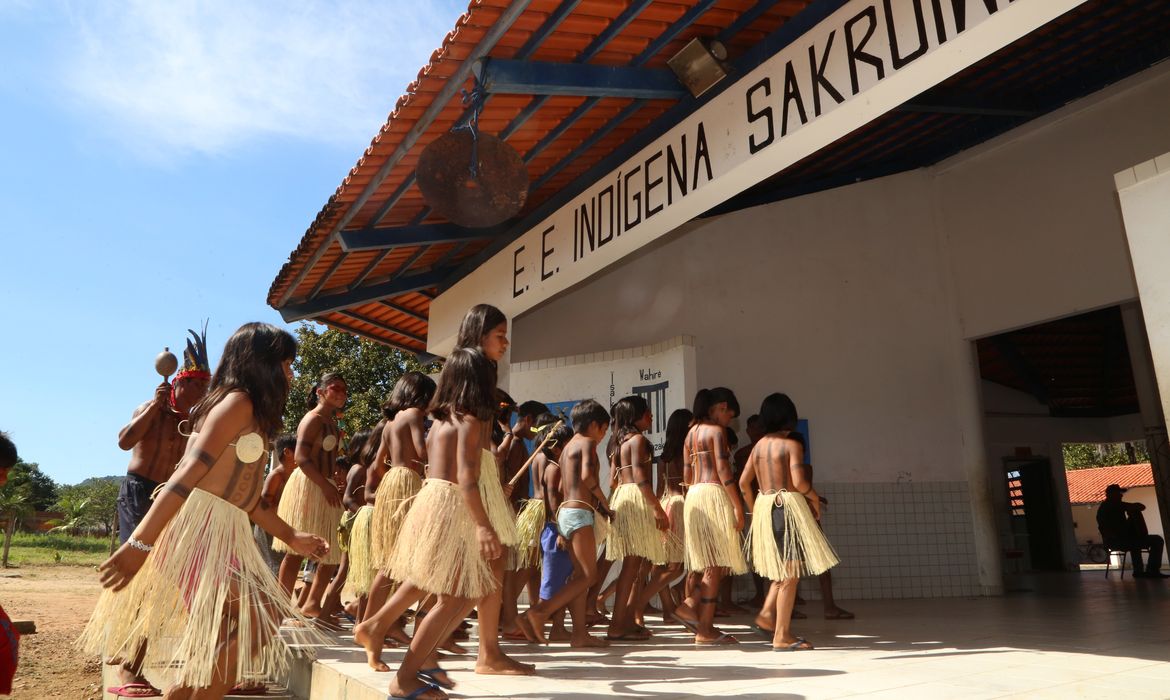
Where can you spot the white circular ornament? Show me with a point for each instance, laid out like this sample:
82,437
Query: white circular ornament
329,443
250,448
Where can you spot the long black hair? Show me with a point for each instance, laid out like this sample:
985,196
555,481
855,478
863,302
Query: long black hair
373,442
467,386
778,412
557,438
479,320
625,413
323,382
676,433
412,390
356,445
252,362
706,399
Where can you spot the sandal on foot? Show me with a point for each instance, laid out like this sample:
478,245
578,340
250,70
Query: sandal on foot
762,631
690,626
722,639
126,690
414,694
431,675
801,644
248,690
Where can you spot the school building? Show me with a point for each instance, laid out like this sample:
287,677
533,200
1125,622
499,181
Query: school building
941,226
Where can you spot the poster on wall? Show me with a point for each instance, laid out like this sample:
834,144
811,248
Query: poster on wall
663,374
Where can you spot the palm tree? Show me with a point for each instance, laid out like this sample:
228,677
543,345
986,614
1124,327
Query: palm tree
77,514
15,505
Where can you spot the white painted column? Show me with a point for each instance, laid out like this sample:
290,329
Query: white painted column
1144,192
973,453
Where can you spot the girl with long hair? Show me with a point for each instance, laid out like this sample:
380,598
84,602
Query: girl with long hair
712,510
190,583
636,533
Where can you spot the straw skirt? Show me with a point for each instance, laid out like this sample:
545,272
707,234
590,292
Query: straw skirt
803,550
303,506
529,524
361,565
633,531
441,555
392,502
675,544
204,580
712,538
499,511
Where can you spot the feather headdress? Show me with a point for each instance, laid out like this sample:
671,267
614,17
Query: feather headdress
195,363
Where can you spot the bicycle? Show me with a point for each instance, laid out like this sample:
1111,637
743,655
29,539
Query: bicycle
1093,552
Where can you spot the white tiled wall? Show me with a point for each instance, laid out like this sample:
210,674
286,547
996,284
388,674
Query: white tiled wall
899,540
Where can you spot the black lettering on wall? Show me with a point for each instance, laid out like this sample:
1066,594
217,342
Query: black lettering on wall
754,145
855,49
633,200
605,223
545,252
651,210
676,172
819,82
896,59
959,7
587,220
516,270
702,153
940,26
791,94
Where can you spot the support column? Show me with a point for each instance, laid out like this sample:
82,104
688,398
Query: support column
973,452
1150,405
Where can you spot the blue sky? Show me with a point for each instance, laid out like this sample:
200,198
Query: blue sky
158,163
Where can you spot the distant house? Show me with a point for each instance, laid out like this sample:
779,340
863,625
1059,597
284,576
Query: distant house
1086,489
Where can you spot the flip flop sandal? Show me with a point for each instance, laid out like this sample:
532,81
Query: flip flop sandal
248,690
414,694
798,645
722,640
690,626
431,675
762,631
123,691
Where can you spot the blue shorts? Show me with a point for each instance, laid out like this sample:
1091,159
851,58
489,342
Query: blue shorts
558,565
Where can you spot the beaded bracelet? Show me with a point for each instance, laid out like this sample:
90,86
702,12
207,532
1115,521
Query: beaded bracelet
138,544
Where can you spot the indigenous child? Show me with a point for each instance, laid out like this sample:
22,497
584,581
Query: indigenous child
189,580
528,519
486,328
403,449
310,501
361,571
454,536
283,447
580,489
636,532
785,541
556,563
671,498
712,511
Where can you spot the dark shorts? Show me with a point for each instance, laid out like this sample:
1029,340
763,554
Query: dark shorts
557,564
133,502
778,528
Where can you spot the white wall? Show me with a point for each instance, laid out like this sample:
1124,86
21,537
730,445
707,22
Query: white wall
1031,218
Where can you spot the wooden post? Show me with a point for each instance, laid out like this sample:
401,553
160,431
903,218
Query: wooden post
8,533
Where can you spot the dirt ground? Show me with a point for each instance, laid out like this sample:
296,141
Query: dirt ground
59,599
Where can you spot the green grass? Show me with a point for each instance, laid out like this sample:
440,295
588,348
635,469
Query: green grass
53,548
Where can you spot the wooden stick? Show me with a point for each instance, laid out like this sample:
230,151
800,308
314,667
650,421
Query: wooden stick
520,472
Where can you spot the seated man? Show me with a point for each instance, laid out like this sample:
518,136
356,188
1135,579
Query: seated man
1122,526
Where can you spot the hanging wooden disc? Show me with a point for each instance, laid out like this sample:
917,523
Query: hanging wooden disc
493,195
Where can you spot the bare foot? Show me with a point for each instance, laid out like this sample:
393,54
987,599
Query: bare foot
452,647
536,624
588,641
836,613
765,622
525,626
791,644
559,634
361,635
398,634
504,666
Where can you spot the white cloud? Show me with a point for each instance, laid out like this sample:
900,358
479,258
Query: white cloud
179,77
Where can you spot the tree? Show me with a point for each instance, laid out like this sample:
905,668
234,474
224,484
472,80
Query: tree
370,370
42,490
102,494
15,505
1086,455
76,512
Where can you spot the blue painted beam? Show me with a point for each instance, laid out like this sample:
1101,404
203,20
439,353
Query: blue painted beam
363,295
503,76
390,237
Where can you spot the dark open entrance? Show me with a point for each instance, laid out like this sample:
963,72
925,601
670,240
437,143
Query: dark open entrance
1071,376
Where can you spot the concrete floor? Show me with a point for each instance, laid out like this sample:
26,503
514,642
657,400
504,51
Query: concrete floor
1071,635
